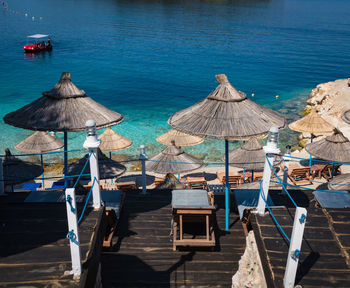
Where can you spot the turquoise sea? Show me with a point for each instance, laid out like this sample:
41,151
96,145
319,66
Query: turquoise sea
148,59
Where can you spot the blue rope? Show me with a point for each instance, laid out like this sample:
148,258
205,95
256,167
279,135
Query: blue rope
81,173
44,153
315,160
69,200
72,237
86,201
279,179
313,189
273,216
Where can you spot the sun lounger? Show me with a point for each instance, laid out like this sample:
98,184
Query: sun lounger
196,182
234,180
192,206
124,186
326,172
332,200
27,187
158,180
50,196
114,202
299,175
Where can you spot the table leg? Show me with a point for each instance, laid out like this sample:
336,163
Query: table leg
181,232
207,224
174,234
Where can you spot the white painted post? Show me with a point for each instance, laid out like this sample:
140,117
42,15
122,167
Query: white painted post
270,149
2,183
73,234
92,143
143,158
286,161
295,247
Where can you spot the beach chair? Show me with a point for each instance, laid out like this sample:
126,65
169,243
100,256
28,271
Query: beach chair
326,172
299,175
194,209
28,187
124,186
234,180
114,202
197,183
58,185
158,180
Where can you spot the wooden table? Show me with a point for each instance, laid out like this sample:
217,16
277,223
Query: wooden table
316,170
192,206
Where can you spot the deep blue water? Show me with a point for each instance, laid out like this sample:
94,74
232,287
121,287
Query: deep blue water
149,59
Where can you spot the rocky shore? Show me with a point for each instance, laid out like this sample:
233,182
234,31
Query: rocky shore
331,100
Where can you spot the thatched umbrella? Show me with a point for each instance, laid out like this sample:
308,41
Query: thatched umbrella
108,168
180,138
226,114
250,156
16,171
340,182
346,116
335,148
40,142
112,141
63,108
312,123
173,160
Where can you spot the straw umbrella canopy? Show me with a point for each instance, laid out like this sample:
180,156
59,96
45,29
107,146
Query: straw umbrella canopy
112,141
312,123
250,156
340,182
226,114
108,168
173,160
335,147
346,116
17,171
40,142
63,108
180,138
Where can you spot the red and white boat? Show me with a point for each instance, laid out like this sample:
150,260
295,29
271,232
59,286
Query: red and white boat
39,44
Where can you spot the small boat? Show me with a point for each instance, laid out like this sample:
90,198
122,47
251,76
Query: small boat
39,44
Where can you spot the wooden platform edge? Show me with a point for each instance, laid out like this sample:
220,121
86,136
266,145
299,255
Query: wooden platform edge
91,266
262,252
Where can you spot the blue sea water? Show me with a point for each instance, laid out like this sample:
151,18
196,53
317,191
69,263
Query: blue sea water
148,59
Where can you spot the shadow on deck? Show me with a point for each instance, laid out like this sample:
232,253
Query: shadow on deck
143,256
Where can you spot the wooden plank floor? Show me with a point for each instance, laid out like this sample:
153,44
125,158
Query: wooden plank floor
324,260
143,255
34,250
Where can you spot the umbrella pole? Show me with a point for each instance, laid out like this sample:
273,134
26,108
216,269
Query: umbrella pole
110,155
227,195
65,159
312,137
42,166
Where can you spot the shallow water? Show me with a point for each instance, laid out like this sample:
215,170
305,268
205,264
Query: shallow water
149,59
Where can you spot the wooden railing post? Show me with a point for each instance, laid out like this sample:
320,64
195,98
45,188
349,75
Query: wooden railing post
295,247
73,234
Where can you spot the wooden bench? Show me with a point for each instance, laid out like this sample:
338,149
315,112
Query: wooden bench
234,180
197,183
124,186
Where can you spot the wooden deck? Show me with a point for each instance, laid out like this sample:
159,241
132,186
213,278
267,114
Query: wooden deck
34,251
324,260
143,256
